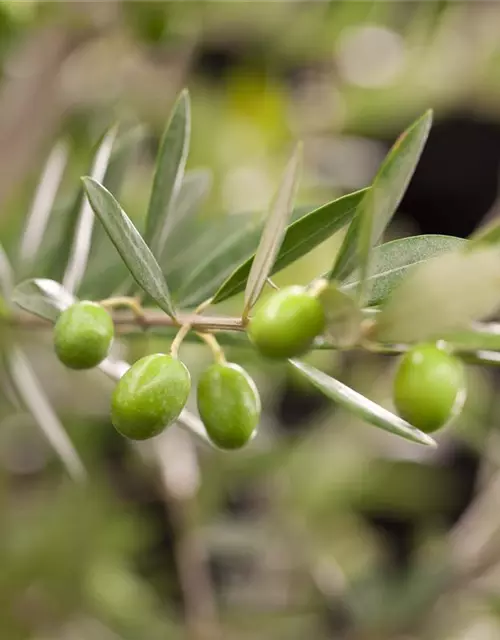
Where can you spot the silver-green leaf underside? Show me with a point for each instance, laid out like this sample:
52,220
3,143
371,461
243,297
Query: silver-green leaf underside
443,294
359,405
393,261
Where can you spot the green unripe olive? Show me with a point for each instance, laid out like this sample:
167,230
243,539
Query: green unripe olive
285,324
429,387
229,405
83,335
150,396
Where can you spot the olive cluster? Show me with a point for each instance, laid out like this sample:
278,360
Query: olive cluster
152,393
428,389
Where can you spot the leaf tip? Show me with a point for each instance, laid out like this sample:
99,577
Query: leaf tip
184,97
426,440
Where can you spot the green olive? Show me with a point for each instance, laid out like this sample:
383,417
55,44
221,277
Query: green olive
285,324
429,387
229,405
150,396
83,335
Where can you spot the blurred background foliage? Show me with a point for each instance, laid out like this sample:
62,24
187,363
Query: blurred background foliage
323,527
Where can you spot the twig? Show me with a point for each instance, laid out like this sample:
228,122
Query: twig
179,470
127,321
31,102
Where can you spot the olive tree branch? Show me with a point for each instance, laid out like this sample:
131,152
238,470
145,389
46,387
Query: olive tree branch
126,322
129,322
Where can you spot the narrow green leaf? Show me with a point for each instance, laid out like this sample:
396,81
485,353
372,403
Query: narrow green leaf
129,244
393,260
301,236
479,336
445,293
42,297
33,397
361,406
80,249
42,206
343,317
381,201
485,358
274,231
347,256
169,172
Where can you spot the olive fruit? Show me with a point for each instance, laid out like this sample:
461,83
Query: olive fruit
83,335
150,396
285,324
229,405
429,387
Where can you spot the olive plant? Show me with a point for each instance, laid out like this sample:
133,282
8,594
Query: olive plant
424,299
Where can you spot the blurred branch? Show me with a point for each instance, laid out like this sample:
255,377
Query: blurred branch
176,456
31,101
475,542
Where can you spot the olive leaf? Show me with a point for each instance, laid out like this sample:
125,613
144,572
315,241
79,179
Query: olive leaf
80,249
347,256
477,337
42,206
129,244
42,297
343,317
302,235
33,397
445,293
274,231
169,172
359,405
392,261
380,203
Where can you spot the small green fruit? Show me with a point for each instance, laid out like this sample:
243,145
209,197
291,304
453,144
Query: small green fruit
83,335
285,324
229,405
150,396
429,388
